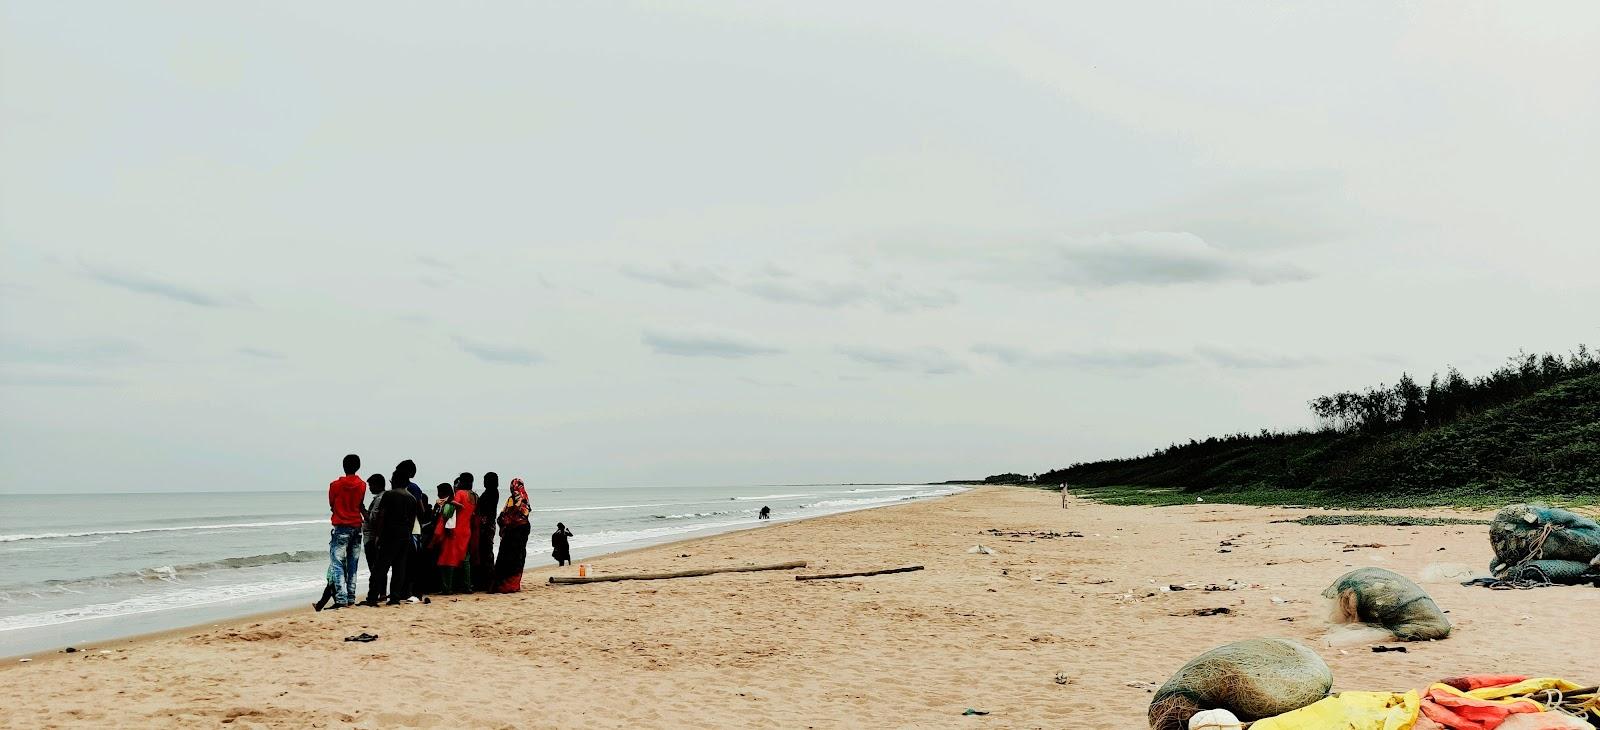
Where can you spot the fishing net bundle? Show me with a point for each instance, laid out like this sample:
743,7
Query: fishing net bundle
1253,679
1541,543
1386,599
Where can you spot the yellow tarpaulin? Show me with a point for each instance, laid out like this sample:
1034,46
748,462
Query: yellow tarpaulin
1350,711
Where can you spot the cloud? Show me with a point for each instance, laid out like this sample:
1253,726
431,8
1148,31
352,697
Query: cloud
1157,259
69,380
1255,360
1138,258
76,352
1278,211
675,275
153,286
1144,359
499,354
263,354
927,360
705,342
1134,359
775,283
432,262
778,285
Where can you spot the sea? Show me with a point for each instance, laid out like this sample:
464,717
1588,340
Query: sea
82,568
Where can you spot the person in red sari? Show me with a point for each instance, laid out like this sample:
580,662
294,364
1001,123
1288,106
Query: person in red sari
453,532
514,530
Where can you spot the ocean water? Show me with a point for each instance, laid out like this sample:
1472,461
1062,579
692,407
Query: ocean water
81,568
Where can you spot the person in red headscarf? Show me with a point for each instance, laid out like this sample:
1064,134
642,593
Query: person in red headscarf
514,530
453,533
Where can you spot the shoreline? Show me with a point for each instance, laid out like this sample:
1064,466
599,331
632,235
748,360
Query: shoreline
1067,606
58,650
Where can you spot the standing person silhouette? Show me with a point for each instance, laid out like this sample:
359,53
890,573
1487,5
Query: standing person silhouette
766,513
396,517
558,542
376,568
483,529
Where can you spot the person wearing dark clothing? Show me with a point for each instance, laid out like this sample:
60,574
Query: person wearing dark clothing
344,541
558,541
483,529
397,517
514,529
766,513
428,570
415,586
369,541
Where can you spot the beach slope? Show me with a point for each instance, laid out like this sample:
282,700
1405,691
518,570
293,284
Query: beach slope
1054,629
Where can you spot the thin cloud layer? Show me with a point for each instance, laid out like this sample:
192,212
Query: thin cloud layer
153,286
888,295
925,360
1144,359
676,275
499,354
705,342
1092,359
1255,359
86,352
1137,258
782,285
260,353
1161,259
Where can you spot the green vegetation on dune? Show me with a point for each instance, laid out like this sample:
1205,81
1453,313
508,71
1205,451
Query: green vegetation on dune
1529,431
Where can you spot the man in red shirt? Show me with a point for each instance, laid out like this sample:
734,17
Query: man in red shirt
344,544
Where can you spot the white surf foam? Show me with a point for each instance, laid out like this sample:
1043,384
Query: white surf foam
137,531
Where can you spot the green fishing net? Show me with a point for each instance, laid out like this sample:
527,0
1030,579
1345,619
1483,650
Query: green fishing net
1385,598
1253,679
1534,540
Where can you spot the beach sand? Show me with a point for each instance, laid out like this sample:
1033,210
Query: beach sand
1048,632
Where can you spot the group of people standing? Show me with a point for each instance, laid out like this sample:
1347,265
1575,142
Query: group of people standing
415,547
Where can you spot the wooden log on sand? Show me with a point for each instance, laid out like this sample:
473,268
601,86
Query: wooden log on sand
567,579
885,571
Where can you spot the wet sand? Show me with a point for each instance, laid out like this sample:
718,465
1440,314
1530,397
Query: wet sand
1047,632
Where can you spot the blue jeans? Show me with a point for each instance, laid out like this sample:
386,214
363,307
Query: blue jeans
344,555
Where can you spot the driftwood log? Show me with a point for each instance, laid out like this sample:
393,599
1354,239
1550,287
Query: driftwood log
569,579
885,571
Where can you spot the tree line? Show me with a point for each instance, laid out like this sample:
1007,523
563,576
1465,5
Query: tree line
1350,418
1409,406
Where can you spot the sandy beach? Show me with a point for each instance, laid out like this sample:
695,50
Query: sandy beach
1048,632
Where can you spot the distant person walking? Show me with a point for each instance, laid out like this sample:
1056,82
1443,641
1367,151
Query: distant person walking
766,513
483,529
369,542
396,517
514,529
453,530
344,501
561,552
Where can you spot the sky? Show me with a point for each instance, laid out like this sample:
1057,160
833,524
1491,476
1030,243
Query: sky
677,244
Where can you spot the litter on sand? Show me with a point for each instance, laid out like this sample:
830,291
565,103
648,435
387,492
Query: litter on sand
362,637
980,550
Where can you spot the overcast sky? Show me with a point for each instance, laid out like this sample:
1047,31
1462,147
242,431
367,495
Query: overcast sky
720,243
